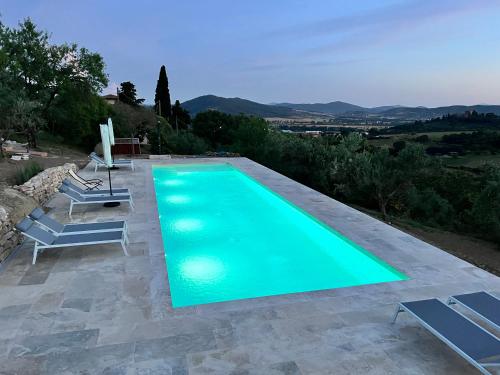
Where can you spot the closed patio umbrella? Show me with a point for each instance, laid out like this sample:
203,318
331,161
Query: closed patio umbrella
106,149
112,140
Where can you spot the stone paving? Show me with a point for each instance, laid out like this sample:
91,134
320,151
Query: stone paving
91,310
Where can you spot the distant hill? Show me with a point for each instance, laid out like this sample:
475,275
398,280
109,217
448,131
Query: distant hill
391,111
415,113
336,108
235,106
333,108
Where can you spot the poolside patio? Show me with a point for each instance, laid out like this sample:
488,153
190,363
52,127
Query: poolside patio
92,310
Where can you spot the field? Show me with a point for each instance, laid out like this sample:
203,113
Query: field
471,160
389,139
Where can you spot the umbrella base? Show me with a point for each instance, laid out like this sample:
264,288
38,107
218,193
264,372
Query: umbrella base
111,204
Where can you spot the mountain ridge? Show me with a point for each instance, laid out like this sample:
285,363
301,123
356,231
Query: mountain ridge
335,108
235,106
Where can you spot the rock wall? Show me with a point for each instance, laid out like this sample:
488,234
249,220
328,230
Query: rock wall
13,207
44,184
9,238
17,202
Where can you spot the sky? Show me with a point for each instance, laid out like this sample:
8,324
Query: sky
366,52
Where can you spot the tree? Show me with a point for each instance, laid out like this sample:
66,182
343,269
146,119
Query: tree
180,117
27,119
214,126
75,115
162,95
383,176
127,94
136,121
40,71
485,212
249,135
162,133
186,143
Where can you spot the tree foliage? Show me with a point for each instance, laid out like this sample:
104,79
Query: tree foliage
128,94
133,120
162,95
180,117
40,75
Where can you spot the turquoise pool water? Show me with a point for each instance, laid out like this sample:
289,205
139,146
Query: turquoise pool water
228,237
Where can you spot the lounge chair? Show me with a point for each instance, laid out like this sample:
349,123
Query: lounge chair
476,345
46,240
94,193
482,304
90,184
68,229
79,199
116,163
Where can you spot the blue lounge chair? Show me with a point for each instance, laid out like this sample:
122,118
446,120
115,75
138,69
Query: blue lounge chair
79,199
66,229
116,163
483,304
46,240
476,345
94,193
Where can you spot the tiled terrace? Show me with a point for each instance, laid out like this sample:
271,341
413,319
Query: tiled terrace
92,310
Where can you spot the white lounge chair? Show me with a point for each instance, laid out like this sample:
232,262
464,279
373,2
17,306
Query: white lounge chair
99,162
46,240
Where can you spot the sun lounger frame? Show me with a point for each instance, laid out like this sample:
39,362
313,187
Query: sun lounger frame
88,199
95,193
40,245
480,366
452,301
116,163
124,228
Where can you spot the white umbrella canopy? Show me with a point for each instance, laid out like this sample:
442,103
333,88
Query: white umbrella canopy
111,132
106,146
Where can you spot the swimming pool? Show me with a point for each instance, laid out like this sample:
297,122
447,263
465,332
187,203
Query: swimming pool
228,237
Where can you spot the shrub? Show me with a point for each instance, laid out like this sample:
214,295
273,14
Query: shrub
186,143
429,208
26,172
485,212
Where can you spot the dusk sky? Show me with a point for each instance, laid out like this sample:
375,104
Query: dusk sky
427,52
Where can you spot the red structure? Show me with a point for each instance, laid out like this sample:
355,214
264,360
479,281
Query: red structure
126,146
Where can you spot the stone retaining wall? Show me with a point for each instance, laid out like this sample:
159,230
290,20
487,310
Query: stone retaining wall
17,202
9,238
44,184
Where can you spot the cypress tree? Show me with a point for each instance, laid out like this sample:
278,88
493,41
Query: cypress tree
162,95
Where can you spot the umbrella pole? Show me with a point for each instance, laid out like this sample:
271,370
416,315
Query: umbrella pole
110,204
114,167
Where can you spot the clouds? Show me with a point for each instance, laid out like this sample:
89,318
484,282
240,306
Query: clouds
420,52
371,27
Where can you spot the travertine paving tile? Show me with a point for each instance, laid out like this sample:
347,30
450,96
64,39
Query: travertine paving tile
91,310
